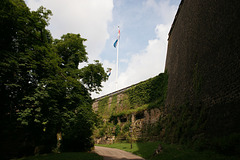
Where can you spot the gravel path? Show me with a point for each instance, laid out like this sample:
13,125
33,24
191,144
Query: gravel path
115,154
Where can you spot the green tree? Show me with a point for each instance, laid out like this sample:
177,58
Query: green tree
22,47
43,90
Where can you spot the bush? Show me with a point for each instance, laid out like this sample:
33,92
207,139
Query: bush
78,135
117,130
126,127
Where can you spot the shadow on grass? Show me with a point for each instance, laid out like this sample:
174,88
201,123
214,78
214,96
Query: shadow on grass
65,156
177,152
145,149
170,152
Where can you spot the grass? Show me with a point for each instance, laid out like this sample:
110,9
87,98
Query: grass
170,152
65,156
144,150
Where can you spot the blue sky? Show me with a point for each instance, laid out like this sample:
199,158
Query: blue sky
144,26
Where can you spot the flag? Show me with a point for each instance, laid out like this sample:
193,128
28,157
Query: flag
116,42
109,71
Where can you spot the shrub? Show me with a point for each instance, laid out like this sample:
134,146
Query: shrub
77,136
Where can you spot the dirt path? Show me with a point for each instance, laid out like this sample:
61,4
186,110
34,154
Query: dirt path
115,154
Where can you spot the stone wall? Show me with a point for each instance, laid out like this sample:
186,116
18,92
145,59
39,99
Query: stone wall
202,104
142,122
203,64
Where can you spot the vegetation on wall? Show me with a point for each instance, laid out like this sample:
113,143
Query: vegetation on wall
191,125
119,107
145,95
102,107
148,91
184,124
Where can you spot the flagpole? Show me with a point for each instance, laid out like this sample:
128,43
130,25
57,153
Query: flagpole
117,61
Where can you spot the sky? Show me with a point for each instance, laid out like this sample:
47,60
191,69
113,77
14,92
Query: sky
144,27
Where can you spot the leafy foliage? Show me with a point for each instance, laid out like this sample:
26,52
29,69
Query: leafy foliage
43,90
148,91
78,133
143,96
117,130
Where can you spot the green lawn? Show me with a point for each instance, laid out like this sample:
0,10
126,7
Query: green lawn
145,150
65,156
170,152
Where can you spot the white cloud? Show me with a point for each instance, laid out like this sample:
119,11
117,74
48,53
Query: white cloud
124,60
90,18
151,61
163,8
141,66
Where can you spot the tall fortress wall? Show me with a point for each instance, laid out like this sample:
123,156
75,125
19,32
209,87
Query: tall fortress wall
203,63
202,101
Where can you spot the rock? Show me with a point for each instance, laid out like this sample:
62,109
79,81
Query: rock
158,150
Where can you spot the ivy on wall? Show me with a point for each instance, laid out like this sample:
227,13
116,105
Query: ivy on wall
148,92
145,95
102,107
